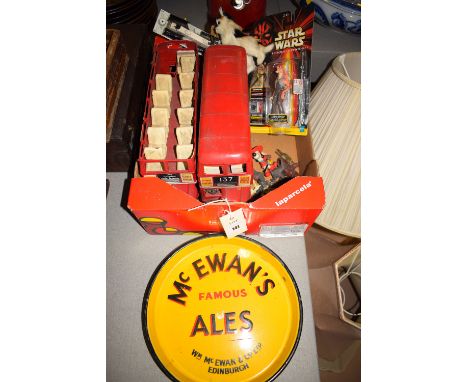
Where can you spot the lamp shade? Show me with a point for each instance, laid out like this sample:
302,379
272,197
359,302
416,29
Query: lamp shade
335,125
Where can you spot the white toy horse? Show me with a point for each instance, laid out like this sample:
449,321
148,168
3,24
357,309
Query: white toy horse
226,29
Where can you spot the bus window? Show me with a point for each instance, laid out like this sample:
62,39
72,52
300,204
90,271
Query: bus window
212,169
238,168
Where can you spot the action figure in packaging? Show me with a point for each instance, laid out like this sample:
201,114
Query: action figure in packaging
279,87
258,79
280,95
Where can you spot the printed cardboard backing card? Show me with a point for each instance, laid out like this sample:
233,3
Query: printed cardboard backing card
280,86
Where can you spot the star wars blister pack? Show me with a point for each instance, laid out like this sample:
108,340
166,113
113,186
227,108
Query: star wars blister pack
280,87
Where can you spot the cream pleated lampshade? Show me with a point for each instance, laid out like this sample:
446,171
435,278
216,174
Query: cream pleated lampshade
335,126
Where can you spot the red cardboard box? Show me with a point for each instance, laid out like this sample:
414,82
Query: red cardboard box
285,211
288,210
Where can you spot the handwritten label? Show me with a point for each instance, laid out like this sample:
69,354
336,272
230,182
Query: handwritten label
234,223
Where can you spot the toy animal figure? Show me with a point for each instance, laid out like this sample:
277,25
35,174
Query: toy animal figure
282,86
267,165
226,29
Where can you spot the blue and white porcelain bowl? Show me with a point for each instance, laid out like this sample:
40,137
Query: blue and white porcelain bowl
344,15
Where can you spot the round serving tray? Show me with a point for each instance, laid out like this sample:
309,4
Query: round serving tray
222,309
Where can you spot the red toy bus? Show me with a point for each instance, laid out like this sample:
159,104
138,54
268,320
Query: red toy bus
170,169
224,164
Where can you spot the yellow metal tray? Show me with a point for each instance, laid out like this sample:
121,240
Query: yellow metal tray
219,309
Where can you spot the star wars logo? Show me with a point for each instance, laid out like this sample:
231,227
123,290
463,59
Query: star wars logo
291,38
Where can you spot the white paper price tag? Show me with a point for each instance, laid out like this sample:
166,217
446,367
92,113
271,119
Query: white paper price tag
234,223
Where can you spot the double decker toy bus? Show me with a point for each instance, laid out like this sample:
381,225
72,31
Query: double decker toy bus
180,173
224,151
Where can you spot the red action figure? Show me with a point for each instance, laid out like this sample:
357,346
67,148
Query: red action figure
264,160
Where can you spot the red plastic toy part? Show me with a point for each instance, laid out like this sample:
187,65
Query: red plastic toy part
225,168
